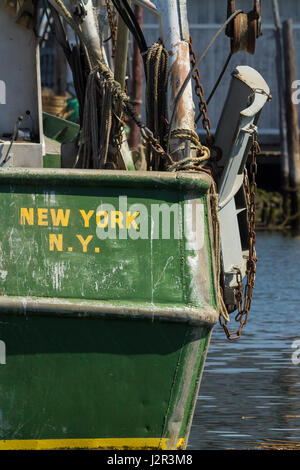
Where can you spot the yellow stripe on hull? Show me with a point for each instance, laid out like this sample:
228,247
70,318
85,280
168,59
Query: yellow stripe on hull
105,444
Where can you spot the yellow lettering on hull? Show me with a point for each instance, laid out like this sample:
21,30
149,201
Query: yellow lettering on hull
118,444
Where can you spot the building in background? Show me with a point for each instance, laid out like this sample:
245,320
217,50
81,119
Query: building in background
205,18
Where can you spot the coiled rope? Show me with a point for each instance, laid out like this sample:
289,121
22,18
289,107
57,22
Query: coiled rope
99,66
157,67
97,123
103,91
116,96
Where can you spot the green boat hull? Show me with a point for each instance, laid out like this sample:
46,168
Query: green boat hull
105,339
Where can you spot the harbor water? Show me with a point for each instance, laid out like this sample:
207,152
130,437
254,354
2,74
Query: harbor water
250,391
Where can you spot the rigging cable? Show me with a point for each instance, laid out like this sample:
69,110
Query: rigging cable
131,22
190,74
216,85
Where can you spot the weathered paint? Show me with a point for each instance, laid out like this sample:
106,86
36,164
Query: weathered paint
68,444
174,31
103,349
48,236
89,30
85,378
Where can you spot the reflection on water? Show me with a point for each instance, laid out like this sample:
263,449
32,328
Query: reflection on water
250,389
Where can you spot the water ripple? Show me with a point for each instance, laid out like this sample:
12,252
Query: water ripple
253,383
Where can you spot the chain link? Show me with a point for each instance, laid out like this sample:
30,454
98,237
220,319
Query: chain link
149,138
148,135
112,18
247,293
199,90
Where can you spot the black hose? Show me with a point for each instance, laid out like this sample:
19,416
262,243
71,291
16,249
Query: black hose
130,20
139,32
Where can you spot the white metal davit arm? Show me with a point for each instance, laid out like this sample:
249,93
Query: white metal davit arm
248,93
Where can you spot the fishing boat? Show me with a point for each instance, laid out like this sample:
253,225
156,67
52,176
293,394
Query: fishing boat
111,280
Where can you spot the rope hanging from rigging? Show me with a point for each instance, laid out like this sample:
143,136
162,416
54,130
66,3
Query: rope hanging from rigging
157,67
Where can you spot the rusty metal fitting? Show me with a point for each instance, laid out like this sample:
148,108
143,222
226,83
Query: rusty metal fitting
245,28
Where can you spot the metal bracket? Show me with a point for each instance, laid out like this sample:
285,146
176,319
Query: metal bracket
249,129
245,28
232,281
80,11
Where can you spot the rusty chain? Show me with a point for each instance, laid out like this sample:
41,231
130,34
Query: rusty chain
112,18
155,144
149,138
250,191
200,93
247,293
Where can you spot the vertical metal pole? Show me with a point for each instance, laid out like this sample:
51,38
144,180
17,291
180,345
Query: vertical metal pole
281,96
121,52
175,36
137,83
89,28
292,121
120,76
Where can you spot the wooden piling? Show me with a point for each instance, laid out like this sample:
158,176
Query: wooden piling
60,71
281,97
292,124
